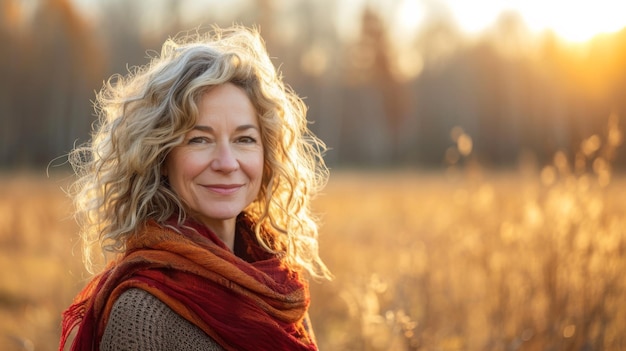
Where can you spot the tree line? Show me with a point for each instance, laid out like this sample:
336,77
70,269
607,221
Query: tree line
375,100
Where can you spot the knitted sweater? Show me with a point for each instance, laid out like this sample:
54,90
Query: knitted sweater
140,321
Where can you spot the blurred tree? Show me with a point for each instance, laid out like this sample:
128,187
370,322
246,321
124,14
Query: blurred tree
11,30
443,88
124,41
55,62
371,71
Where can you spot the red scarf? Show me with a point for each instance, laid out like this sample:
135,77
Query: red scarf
254,303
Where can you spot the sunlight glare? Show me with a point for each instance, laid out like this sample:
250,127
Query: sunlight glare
410,15
575,21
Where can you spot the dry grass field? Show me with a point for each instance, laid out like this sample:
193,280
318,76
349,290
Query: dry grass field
422,261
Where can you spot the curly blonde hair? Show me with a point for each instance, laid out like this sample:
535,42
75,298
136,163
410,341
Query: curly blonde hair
146,113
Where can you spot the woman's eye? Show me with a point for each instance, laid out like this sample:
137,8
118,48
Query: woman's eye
199,140
246,140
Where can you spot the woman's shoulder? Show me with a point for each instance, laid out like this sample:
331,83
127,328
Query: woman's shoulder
140,321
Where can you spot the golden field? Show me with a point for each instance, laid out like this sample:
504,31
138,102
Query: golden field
462,260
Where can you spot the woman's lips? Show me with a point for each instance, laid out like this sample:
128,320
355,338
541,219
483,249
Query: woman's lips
223,189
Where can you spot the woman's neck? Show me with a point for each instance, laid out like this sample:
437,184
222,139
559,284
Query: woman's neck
223,229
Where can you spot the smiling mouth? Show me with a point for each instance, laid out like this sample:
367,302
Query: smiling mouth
223,189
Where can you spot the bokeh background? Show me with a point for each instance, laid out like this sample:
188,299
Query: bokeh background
476,199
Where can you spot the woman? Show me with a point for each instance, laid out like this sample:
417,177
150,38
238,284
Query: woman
198,180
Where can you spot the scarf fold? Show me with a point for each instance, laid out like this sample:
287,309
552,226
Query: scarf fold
250,303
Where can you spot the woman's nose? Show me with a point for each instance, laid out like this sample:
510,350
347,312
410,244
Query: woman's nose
224,159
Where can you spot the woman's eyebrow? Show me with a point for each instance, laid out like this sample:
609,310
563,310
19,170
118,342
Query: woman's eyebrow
246,127
201,128
240,128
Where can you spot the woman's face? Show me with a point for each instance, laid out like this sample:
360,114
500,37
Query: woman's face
218,168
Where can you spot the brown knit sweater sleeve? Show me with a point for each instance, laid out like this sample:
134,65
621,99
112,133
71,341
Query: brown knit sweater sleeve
140,321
